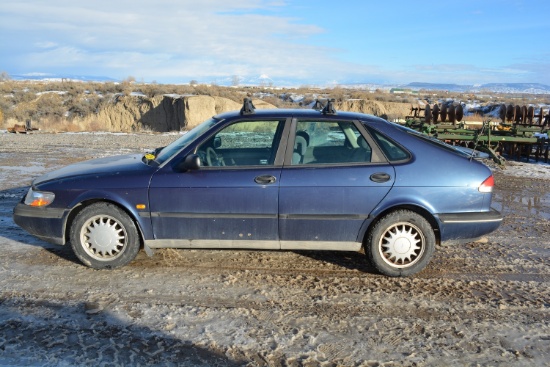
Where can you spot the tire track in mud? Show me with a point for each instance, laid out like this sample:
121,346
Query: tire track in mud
317,287
476,304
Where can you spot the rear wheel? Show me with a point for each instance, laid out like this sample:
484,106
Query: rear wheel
103,236
400,244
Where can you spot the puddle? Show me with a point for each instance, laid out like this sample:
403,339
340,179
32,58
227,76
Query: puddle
528,205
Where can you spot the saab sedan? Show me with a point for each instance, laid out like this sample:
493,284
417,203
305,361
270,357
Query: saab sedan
281,179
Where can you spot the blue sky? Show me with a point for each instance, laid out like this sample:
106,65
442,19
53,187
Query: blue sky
292,42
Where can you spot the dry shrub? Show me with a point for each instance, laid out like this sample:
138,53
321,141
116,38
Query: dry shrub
9,122
54,124
474,117
90,124
95,125
78,109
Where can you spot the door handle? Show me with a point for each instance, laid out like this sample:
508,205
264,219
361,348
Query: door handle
380,177
265,179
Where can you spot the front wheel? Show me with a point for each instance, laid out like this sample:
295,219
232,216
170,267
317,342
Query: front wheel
103,236
400,244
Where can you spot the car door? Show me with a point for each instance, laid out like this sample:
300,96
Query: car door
231,200
329,188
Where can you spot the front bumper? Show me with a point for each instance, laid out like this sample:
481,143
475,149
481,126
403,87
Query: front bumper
460,226
45,223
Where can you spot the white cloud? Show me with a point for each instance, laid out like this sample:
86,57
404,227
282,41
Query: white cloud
166,38
170,40
45,44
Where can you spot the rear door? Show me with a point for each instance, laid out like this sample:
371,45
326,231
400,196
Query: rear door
328,189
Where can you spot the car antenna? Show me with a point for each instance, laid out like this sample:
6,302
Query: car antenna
329,108
318,105
248,107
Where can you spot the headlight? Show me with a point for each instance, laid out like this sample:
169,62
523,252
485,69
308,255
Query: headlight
39,198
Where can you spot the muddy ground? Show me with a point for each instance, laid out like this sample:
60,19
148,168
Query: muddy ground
482,303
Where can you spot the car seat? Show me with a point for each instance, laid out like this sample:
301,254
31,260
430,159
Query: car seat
300,147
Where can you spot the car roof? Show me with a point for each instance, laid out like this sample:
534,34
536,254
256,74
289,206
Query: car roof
299,113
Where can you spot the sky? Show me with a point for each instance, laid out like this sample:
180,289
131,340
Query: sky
302,42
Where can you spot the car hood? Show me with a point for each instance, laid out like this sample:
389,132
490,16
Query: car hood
107,165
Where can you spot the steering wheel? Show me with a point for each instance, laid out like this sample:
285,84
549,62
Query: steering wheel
213,158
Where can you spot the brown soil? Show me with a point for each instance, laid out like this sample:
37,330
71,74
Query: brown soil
480,303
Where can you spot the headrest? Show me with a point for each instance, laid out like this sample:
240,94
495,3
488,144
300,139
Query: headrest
300,145
362,142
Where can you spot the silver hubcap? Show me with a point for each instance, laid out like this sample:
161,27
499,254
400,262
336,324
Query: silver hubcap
103,237
402,245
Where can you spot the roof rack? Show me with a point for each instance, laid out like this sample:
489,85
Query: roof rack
248,107
318,105
329,108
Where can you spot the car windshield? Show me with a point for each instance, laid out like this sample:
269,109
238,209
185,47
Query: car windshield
176,146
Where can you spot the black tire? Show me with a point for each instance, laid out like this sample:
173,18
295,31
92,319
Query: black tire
400,244
103,236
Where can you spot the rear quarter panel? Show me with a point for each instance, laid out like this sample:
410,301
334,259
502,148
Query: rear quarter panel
436,179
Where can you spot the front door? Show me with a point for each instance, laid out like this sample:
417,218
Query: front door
231,201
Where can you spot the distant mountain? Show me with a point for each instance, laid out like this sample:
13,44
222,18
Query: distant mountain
55,77
439,86
529,88
266,81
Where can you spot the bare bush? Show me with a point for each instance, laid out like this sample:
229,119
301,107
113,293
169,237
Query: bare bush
51,124
70,105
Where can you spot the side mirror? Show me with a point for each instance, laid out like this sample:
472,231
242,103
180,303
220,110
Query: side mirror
191,163
217,142
157,151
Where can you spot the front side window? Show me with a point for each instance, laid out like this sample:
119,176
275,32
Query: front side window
244,143
329,142
176,146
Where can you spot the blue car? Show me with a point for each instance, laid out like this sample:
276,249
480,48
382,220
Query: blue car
283,179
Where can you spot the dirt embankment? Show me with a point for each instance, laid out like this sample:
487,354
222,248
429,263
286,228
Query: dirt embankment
179,112
390,110
164,113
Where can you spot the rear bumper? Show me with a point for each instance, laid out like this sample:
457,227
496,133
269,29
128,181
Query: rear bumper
457,226
44,223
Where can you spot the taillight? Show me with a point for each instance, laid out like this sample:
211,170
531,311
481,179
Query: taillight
487,185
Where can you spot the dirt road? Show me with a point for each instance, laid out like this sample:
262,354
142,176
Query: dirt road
484,303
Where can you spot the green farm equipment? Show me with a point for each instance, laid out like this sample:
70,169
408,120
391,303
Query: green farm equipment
522,133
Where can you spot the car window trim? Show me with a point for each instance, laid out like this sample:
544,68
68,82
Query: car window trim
376,152
191,147
377,155
401,161
277,163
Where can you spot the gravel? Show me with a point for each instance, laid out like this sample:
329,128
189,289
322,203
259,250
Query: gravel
480,303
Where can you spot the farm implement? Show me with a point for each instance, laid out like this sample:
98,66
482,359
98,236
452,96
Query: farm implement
521,133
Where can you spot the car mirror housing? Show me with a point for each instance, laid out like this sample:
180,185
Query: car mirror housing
217,142
191,163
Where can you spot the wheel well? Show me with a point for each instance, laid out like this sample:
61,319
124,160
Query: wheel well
418,210
77,209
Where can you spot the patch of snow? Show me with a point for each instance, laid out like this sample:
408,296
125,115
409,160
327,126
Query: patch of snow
58,92
527,169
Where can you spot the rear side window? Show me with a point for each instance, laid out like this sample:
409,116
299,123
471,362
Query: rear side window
391,149
329,142
438,143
